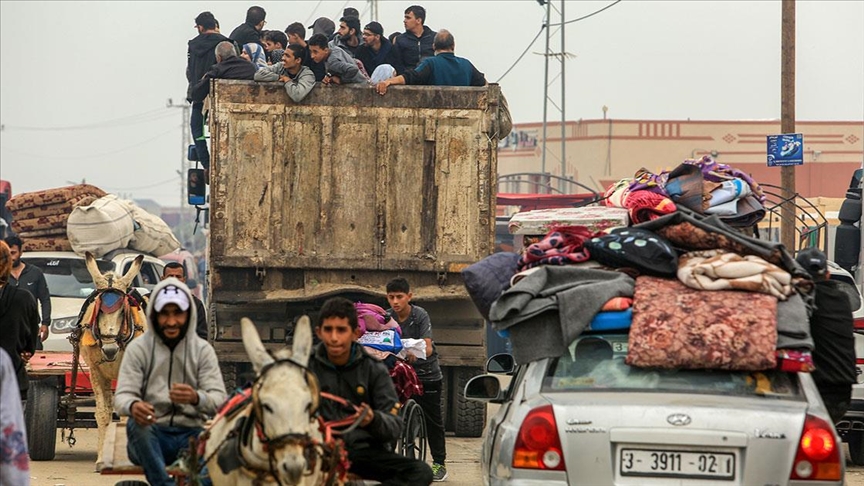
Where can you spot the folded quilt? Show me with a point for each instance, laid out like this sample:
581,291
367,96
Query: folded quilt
551,307
718,270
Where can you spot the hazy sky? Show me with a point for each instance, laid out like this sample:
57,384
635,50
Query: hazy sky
84,85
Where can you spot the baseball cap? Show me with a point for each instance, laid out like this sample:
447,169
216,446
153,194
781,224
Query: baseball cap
375,28
323,25
813,260
171,294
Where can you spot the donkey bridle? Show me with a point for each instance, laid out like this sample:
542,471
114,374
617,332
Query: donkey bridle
125,301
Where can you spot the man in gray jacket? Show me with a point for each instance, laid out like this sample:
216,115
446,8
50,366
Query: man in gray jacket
169,380
299,79
341,67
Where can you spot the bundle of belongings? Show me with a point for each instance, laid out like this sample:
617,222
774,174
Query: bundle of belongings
691,290
40,217
381,338
702,186
84,218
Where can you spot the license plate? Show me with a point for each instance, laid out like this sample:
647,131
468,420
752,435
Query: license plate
677,464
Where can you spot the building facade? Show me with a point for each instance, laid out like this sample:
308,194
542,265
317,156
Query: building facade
600,152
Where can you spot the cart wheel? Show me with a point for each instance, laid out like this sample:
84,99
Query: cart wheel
412,444
41,419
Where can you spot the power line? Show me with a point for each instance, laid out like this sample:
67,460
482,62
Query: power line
552,25
521,55
313,13
589,15
157,184
91,156
145,117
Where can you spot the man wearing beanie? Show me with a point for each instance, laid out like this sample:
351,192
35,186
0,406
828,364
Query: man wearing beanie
169,380
376,51
832,331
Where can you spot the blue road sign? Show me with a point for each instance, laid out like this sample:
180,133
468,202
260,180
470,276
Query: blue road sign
786,149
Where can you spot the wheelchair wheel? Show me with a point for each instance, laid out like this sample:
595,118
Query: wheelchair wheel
412,444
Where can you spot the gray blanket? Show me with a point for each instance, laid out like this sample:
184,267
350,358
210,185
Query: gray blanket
547,310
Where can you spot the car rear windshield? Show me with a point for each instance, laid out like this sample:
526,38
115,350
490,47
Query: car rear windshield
68,277
596,362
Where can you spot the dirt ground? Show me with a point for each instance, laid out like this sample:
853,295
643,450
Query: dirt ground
75,466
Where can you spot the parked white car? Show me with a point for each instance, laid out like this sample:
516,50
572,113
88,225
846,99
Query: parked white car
69,284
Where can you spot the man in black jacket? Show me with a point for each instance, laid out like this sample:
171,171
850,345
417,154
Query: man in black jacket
228,66
178,271
250,31
31,279
19,321
345,370
833,335
199,57
415,44
376,49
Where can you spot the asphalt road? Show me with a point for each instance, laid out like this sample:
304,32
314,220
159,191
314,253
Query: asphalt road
76,466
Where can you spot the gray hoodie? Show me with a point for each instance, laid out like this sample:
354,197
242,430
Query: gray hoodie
149,368
340,63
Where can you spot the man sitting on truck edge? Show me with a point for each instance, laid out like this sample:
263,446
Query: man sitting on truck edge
415,324
444,69
178,271
344,369
299,79
169,380
832,328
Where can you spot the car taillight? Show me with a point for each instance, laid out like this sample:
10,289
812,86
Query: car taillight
858,323
538,445
819,454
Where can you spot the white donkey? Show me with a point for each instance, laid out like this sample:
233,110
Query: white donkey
277,435
114,315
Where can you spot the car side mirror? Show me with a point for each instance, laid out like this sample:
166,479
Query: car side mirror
484,388
196,187
502,364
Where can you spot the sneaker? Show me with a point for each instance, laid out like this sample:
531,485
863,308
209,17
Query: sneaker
439,472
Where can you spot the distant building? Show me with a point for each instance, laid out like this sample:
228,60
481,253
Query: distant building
599,152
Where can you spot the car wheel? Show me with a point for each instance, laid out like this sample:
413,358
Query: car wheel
469,416
856,449
41,419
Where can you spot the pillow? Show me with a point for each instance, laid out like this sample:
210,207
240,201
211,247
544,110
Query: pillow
487,279
635,248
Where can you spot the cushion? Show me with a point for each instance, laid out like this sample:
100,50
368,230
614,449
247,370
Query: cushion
634,248
487,279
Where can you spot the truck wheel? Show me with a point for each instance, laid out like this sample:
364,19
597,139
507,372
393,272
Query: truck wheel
130,482
41,419
229,376
856,448
469,416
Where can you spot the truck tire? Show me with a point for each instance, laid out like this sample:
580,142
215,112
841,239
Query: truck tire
41,419
469,416
130,482
229,376
856,448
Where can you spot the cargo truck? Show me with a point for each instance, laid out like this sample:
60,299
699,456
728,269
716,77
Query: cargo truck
338,194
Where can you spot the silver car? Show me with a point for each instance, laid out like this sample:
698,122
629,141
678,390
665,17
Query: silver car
587,418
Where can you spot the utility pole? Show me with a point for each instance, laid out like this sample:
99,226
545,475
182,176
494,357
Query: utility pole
184,163
373,9
560,77
787,122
